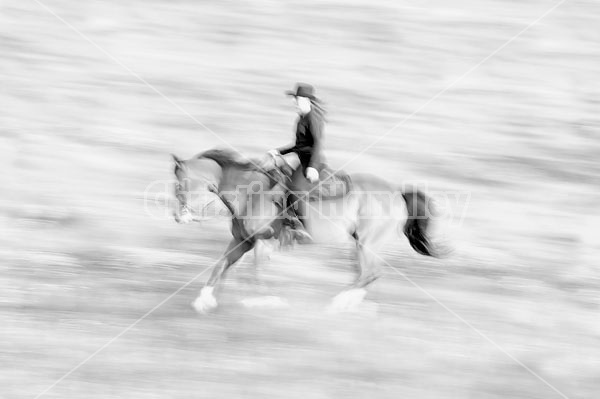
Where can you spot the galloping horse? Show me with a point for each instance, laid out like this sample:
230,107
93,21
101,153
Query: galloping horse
369,213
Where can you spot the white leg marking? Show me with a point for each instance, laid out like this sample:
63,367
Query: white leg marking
347,300
206,300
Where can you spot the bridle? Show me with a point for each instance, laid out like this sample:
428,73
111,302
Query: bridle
282,178
215,190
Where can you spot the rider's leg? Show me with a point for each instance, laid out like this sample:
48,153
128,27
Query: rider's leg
296,205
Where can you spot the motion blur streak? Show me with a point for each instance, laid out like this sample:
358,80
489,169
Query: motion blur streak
133,73
113,339
81,259
454,83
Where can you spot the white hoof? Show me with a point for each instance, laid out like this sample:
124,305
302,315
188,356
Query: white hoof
347,301
186,217
206,301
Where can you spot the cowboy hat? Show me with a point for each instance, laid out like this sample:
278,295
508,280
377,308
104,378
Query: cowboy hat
302,90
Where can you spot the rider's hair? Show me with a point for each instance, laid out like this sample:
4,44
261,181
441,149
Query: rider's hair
319,109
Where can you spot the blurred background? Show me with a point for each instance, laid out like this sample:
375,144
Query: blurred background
82,139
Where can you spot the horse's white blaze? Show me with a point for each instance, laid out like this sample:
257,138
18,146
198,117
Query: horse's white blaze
347,300
206,300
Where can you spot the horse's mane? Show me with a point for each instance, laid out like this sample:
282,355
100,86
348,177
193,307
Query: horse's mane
227,158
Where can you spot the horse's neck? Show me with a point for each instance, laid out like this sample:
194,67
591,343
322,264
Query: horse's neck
236,185
233,178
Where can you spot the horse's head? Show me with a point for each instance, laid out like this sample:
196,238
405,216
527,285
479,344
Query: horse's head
197,181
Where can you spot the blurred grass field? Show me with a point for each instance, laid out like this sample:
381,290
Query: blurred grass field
82,139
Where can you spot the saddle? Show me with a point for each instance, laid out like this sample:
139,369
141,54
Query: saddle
332,185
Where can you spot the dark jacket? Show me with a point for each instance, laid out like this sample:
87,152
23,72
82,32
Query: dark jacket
308,145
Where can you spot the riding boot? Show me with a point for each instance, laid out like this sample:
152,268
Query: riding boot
299,230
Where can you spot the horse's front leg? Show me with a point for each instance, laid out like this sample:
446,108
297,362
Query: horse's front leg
206,300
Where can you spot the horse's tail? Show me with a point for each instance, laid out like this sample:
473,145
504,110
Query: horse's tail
419,214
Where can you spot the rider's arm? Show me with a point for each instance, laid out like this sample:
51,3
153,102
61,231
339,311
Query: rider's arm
287,149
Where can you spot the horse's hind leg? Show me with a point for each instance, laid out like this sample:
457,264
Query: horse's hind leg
235,250
350,298
369,240
368,265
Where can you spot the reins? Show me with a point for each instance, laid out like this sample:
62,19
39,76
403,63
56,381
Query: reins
283,179
214,189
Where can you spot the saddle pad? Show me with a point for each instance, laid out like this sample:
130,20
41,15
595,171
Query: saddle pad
331,185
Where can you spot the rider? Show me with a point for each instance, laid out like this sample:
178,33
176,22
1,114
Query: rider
308,147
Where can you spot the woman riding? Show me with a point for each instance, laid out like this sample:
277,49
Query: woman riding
309,149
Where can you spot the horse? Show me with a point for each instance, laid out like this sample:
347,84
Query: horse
369,213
